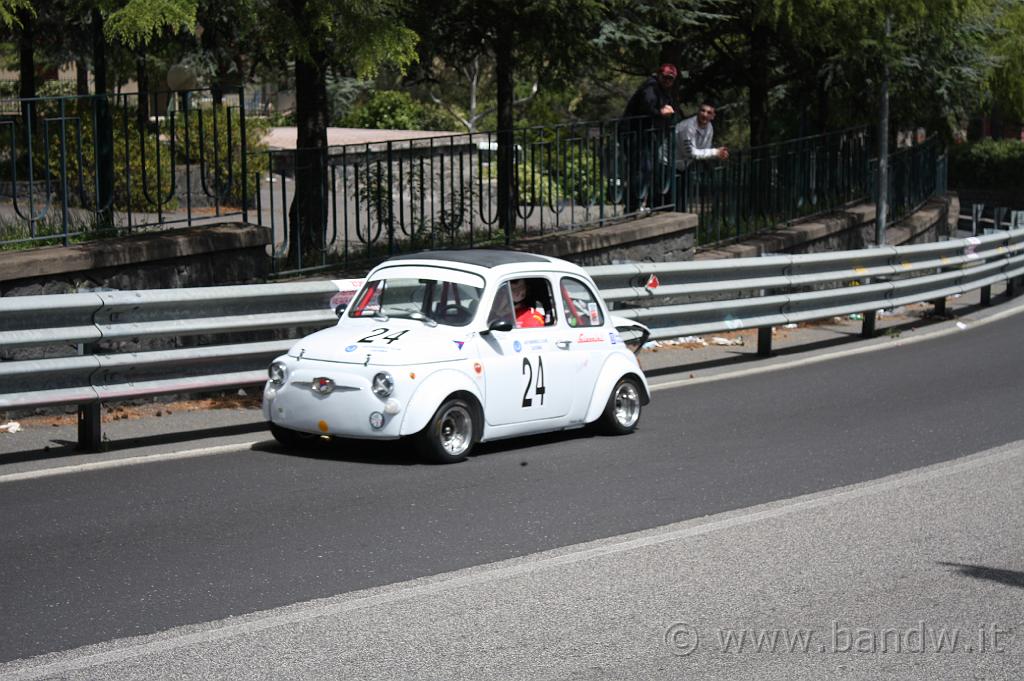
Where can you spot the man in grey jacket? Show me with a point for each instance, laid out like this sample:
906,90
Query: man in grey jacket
694,137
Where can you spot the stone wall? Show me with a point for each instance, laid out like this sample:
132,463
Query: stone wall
198,256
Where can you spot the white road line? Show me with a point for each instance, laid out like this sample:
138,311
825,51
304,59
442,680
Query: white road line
128,461
117,651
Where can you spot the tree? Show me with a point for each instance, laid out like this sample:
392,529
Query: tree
546,39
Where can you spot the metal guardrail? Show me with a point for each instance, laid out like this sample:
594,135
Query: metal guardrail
109,330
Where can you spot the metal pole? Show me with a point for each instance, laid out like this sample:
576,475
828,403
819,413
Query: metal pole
883,150
90,433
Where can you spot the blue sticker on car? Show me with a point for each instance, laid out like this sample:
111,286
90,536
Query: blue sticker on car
351,348
517,346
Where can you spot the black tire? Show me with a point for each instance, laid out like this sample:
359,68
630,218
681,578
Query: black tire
291,438
451,432
622,413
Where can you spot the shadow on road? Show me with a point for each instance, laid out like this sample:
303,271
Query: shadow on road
1007,577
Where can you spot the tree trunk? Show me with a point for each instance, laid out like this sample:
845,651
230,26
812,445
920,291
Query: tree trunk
308,212
99,53
26,56
758,85
104,125
81,76
506,138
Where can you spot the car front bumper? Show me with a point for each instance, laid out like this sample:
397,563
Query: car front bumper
344,412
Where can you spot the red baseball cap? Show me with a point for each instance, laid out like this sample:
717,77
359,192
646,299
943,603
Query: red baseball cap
668,70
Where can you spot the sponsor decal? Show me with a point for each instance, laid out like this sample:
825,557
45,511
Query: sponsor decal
614,338
584,338
517,346
478,367
595,314
459,344
351,348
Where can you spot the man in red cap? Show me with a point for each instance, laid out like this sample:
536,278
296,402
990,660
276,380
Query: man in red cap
648,121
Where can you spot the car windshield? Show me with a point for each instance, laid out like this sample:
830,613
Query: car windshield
431,300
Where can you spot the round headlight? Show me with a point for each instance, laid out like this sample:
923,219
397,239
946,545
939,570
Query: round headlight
383,385
277,372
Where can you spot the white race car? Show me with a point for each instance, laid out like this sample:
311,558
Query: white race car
459,347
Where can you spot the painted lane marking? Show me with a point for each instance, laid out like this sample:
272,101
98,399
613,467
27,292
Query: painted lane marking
129,461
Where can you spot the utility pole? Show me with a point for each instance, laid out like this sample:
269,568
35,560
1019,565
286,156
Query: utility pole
881,207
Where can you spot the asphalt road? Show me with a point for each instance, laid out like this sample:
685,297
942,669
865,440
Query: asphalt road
94,556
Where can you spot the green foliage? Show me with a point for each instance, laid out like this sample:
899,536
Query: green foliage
137,22
396,110
991,165
9,11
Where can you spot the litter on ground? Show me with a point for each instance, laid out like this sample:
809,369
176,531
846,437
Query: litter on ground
10,427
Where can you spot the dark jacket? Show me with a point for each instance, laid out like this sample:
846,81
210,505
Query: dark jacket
647,102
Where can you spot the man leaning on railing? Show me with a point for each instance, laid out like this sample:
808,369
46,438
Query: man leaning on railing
694,136
648,117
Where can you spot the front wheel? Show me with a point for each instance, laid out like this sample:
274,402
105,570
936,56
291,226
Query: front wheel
622,413
448,438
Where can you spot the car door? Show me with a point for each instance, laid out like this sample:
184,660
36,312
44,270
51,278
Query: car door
528,373
591,338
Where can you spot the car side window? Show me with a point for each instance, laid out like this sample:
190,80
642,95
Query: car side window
579,304
501,309
526,302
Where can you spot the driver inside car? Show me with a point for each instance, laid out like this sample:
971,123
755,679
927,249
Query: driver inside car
527,316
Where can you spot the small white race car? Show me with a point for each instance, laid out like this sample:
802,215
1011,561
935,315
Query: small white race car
458,347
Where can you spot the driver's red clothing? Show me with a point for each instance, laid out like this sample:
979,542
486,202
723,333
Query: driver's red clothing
528,318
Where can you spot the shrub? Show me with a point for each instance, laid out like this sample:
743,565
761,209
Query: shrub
991,165
395,110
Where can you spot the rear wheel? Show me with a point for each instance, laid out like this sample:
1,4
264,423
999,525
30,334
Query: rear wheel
291,438
448,438
622,413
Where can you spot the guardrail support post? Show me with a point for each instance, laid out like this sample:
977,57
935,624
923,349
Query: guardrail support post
940,307
867,329
764,341
986,295
1011,287
89,429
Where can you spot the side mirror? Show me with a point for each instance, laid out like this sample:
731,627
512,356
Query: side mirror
339,310
498,325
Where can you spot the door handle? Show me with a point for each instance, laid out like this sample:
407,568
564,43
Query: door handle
563,345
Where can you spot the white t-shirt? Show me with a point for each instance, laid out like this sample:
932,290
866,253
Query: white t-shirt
693,142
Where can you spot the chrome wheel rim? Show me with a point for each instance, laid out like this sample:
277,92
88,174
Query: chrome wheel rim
455,430
627,405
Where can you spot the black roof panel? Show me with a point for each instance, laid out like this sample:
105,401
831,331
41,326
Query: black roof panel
481,257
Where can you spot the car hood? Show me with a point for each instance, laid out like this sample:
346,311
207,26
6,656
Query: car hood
391,343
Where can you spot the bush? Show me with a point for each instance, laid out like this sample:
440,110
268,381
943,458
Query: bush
394,110
990,165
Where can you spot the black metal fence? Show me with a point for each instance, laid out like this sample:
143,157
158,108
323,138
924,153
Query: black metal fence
761,187
442,191
73,168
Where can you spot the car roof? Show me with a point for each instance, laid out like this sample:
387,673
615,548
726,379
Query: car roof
489,263
481,257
